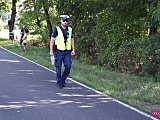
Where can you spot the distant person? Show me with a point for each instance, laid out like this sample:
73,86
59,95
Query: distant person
25,41
62,42
23,31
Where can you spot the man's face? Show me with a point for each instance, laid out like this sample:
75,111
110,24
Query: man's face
24,27
64,22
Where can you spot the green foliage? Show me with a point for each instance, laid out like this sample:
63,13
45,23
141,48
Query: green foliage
36,15
156,13
4,6
114,34
151,55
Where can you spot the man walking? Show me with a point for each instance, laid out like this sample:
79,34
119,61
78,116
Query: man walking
25,41
23,31
62,42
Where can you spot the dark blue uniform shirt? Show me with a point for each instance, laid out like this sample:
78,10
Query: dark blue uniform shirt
26,31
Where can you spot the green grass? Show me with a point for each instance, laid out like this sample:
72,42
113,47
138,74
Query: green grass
141,92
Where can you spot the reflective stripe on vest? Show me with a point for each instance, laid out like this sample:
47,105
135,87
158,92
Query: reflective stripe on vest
59,40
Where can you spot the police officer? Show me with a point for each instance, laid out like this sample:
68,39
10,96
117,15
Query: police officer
62,47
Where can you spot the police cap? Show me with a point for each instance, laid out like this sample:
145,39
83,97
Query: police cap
64,17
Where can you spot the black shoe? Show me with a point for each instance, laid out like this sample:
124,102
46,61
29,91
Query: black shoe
64,84
60,86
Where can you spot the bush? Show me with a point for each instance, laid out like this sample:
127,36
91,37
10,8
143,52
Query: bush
148,53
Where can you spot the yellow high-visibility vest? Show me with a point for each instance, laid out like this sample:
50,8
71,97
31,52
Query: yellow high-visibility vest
59,40
25,38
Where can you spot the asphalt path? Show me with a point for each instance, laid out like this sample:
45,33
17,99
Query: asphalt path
28,92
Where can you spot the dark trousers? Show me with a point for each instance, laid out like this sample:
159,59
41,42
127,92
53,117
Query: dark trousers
65,58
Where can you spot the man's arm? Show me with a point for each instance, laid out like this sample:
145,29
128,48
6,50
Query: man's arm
51,46
21,32
53,36
73,46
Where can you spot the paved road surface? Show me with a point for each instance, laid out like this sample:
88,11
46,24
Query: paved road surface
28,92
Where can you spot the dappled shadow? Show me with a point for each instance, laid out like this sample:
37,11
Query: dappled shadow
40,95
25,85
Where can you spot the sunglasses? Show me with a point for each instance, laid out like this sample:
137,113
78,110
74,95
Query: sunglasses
65,20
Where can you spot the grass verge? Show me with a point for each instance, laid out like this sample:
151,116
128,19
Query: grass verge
140,92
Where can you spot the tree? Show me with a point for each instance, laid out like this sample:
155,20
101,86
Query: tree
12,20
36,14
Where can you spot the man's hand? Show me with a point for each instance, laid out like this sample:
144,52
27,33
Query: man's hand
73,52
51,53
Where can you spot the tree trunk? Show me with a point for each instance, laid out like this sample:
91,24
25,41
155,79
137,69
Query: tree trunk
49,25
12,20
